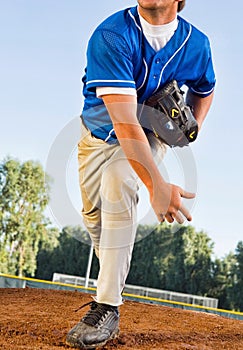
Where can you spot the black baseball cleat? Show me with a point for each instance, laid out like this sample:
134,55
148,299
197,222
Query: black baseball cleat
100,324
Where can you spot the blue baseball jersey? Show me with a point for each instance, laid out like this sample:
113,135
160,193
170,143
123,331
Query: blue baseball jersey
119,55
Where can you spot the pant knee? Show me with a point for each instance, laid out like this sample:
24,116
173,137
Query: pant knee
118,192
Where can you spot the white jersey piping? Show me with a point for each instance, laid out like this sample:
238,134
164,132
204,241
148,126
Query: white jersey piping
171,58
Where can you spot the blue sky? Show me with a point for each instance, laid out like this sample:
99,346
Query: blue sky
42,57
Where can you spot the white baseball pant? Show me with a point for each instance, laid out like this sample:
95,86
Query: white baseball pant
109,188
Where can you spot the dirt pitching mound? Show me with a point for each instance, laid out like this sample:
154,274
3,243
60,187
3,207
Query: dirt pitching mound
32,319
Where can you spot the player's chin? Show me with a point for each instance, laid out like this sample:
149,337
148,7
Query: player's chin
148,4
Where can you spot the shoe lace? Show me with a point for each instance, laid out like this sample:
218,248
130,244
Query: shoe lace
96,312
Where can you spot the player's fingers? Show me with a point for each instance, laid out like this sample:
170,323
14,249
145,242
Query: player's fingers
169,218
186,194
161,218
179,218
186,213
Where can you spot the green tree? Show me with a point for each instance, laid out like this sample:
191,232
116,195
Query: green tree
69,256
173,258
172,263
238,287
144,271
198,250
23,199
223,281
185,260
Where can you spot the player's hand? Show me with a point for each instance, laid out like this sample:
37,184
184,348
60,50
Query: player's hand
167,203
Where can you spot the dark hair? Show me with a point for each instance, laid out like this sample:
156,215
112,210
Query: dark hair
181,5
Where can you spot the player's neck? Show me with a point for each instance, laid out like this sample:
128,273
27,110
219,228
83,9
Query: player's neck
158,16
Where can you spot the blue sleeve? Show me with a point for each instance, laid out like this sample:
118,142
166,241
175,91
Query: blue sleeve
109,61
204,86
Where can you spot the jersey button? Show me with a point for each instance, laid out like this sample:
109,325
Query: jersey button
155,76
157,60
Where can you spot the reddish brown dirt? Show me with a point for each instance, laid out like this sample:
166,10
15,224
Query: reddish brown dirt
32,319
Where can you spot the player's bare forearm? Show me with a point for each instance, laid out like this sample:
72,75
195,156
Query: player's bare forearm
200,106
165,198
123,112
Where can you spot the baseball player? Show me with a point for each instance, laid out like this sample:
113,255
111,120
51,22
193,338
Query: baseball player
130,57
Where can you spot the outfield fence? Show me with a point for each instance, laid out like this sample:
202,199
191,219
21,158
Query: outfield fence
143,291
